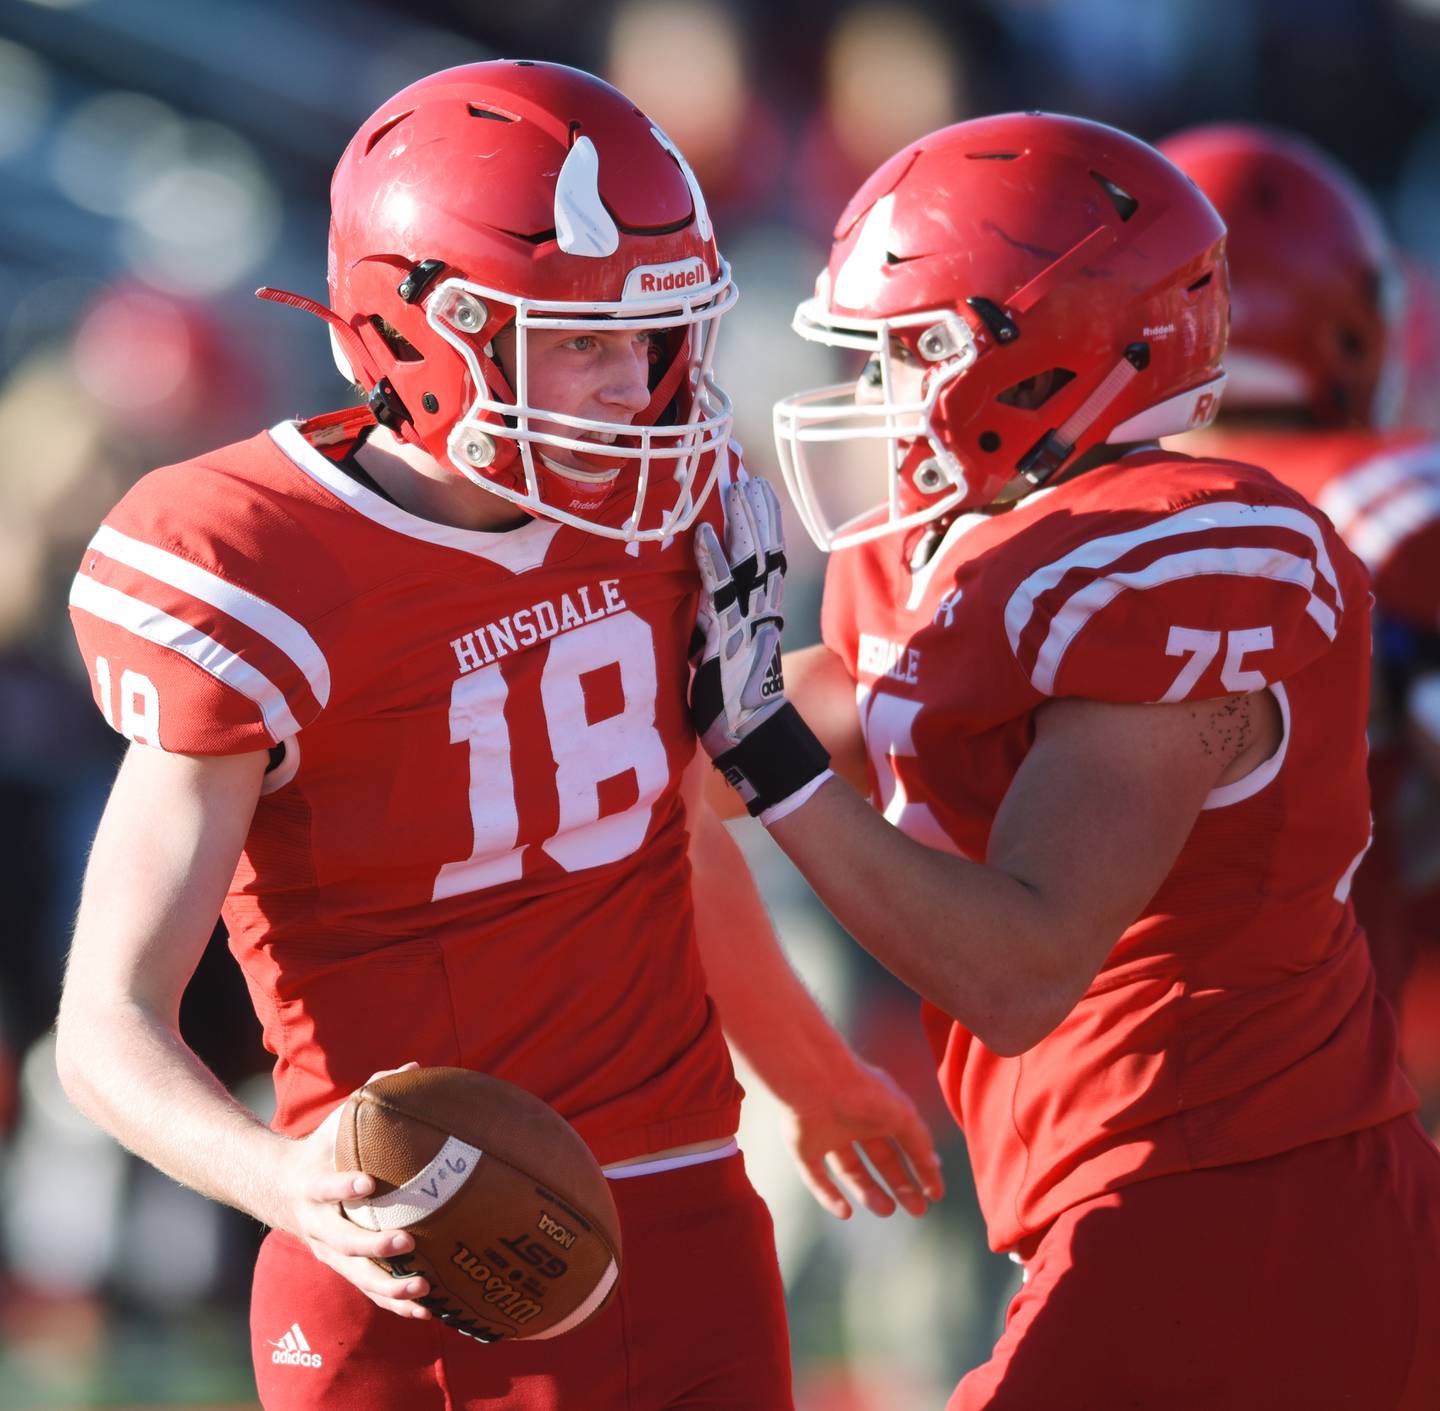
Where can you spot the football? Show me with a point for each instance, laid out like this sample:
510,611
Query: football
514,1225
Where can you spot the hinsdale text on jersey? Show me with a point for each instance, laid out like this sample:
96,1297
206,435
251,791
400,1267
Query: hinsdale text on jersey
537,623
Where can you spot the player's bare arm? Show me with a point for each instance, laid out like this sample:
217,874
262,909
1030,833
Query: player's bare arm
164,855
1089,828
1091,825
837,1105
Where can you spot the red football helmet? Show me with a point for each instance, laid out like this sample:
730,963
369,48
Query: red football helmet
1060,285
1419,348
1313,278
532,195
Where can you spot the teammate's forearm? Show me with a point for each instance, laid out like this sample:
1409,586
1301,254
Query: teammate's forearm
970,938
767,1012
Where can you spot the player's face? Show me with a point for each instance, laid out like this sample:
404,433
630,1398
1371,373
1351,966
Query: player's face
601,376
907,377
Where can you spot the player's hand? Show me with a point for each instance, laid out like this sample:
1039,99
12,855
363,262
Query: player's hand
313,1192
741,614
865,1111
748,728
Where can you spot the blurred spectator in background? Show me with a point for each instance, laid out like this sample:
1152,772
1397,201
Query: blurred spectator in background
1420,348
685,62
889,75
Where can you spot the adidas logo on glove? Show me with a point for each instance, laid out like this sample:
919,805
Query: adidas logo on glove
773,683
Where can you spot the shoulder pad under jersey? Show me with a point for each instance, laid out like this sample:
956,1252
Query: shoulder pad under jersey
193,617
1209,598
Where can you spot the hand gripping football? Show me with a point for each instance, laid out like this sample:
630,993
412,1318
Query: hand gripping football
513,1220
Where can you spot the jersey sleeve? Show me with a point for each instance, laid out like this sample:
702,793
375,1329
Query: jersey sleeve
1388,510
1214,599
184,651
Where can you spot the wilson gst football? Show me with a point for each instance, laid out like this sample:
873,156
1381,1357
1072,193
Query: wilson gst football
514,1225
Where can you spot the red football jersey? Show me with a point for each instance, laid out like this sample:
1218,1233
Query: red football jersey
1237,1017
473,851
1381,490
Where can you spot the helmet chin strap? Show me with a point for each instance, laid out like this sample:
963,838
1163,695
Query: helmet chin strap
574,473
356,354
385,406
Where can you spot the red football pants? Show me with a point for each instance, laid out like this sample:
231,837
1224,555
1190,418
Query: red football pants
1310,1279
698,1322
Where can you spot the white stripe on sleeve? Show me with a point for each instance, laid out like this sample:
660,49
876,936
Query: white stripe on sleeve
277,627
111,605
1350,496
1375,534
1081,606
1097,554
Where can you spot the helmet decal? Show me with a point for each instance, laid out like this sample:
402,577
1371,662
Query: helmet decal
582,224
646,281
859,279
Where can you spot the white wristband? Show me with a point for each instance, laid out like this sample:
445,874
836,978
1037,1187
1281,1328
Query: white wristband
791,802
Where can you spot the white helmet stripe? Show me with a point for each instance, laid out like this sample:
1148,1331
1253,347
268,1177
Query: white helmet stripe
702,212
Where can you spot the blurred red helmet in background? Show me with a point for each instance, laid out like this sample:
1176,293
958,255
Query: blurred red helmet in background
1313,279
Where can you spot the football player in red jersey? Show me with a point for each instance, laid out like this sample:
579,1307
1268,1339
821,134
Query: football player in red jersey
407,690
1313,363
1113,701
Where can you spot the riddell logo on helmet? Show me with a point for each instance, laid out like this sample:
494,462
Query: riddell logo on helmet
647,281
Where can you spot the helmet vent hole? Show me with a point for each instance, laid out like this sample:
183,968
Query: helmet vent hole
1034,392
989,441
991,156
384,128
488,113
1199,283
1267,197
1352,343
1125,204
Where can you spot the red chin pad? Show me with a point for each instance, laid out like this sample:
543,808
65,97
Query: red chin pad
575,496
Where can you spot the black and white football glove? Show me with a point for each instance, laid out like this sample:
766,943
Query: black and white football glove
755,737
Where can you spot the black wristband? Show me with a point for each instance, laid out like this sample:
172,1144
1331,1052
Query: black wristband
775,759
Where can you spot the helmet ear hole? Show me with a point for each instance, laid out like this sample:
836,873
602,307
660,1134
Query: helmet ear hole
1031,393
401,348
989,441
